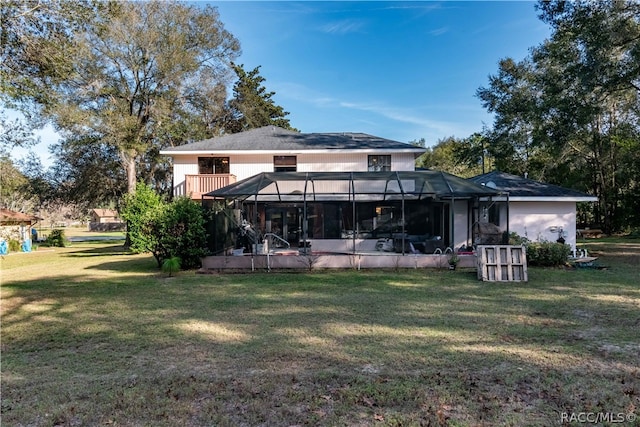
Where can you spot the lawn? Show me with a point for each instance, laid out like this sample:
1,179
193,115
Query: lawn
94,336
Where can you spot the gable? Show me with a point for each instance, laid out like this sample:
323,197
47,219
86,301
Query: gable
102,213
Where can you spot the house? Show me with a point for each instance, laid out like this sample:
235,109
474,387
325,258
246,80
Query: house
353,192
105,220
104,216
16,225
334,192
532,209
208,165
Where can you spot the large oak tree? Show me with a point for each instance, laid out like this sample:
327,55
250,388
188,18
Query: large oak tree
136,76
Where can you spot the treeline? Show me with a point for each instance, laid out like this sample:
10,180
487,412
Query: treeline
567,114
122,80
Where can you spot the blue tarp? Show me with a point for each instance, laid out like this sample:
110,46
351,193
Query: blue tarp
4,247
26,246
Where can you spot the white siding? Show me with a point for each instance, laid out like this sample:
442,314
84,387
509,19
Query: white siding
183,165
344,162
403,162
535,220
461,224
246,165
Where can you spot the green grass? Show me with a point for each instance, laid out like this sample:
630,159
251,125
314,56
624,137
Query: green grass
94,336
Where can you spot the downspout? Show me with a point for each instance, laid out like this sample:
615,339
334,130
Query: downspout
453,222
254,248
470,219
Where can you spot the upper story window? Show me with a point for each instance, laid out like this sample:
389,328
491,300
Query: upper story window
284,164
210,165
379,163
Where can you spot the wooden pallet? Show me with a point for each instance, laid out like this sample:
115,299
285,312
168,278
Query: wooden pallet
502,263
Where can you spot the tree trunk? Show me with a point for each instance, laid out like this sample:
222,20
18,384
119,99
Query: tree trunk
130,167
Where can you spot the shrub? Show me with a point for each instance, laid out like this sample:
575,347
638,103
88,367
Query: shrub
182,232
56,238
171,265
140,211
516,240
547,254
166,230
634,233
14,245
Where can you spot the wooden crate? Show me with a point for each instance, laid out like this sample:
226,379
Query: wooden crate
502,263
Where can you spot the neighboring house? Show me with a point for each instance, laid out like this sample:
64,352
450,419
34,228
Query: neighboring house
16,225
335,191
105,220
538,211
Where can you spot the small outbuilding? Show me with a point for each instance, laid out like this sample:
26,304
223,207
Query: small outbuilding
105,220
16,226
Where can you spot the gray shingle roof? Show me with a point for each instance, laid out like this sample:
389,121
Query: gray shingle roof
518,186
273,138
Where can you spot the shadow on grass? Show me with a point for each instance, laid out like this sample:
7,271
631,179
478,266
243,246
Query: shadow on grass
101,250
430,347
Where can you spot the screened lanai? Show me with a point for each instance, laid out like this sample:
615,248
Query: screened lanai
349,211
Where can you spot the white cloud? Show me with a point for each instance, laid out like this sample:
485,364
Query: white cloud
403,116
399,123
344,26
439,31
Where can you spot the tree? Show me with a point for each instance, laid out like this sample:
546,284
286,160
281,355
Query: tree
15,133
15,192
252,106
39,184
592,96
87,172
452,155
14,188
569,113
135,75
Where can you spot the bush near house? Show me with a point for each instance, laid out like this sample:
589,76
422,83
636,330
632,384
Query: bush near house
14,245
182,233
547,254
167,230
542,254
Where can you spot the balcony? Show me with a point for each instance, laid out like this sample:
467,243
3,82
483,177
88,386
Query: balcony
197,185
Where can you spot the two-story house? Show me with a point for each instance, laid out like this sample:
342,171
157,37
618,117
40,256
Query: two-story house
340,192
208,165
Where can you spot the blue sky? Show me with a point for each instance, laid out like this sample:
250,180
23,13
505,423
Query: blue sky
398,70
